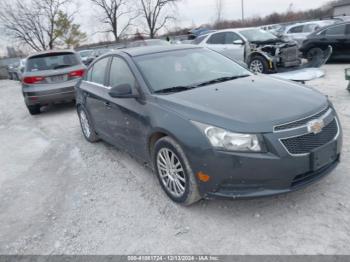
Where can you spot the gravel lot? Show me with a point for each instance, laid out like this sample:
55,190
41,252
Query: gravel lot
62,195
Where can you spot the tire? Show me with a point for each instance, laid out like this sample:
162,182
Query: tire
34,110
86,125
314,52
258,65
188,194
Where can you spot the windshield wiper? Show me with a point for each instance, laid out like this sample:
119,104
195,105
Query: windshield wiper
221,79
174,89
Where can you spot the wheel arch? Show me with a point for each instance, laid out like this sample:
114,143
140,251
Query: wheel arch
258,54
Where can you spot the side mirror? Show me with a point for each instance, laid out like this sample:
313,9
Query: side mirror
122,91
238,42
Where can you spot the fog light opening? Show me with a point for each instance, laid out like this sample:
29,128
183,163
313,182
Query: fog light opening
203,177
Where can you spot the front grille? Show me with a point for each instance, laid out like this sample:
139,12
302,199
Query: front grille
306,143
301,122
289,54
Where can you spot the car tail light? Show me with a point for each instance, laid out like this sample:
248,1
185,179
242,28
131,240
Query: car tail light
78,73
33,79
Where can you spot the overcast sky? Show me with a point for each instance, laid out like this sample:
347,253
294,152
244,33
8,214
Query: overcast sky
196,12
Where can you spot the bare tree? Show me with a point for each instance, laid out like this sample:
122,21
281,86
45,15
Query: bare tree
154,12
33,22
115,11
219,5
50,10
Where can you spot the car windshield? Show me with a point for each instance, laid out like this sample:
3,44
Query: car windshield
186,68
51,61
257,35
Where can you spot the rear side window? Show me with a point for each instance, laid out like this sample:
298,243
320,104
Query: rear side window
52,61
336,30
296,29
120,73
97,73
309,28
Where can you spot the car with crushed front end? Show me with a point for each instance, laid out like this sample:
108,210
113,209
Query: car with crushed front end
49,77
209,127
262,51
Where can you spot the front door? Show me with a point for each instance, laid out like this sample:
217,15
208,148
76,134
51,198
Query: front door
126,119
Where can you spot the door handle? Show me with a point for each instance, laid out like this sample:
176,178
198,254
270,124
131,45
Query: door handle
108,105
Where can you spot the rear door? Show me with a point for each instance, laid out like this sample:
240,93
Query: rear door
223,42
95,92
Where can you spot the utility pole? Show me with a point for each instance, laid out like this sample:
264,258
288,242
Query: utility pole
242,10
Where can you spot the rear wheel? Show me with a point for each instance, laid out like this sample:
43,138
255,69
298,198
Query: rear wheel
174,172
34,110
259,65
86,126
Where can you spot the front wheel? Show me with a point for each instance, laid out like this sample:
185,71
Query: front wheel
314,53
259,65
174,172
86,126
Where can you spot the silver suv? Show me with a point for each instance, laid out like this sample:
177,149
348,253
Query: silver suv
50,77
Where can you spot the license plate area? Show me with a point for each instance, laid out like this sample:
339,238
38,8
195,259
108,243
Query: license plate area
324,156
58,78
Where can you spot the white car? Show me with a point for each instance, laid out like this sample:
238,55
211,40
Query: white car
300,31
262,51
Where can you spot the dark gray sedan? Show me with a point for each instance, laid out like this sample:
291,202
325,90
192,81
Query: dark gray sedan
209,127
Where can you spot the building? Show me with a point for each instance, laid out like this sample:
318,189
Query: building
341,8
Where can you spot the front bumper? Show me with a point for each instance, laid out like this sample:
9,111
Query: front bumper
248,175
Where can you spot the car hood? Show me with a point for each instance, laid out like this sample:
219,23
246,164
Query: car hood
254,104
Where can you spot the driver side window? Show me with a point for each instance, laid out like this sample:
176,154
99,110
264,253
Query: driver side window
120,73
224,38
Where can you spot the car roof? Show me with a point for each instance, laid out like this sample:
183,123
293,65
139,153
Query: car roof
336,24
50,52
235,29
146,50
330,26
315,22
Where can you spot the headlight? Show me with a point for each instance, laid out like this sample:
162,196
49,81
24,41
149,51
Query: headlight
226,140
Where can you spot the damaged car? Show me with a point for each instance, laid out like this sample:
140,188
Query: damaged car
262,51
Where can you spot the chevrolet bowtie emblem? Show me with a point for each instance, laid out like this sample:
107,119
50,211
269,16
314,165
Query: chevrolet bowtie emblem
315,126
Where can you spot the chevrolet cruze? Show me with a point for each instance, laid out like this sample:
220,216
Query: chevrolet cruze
209,127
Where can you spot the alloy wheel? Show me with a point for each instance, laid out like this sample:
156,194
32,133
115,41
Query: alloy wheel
171,172
85,123
257,66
